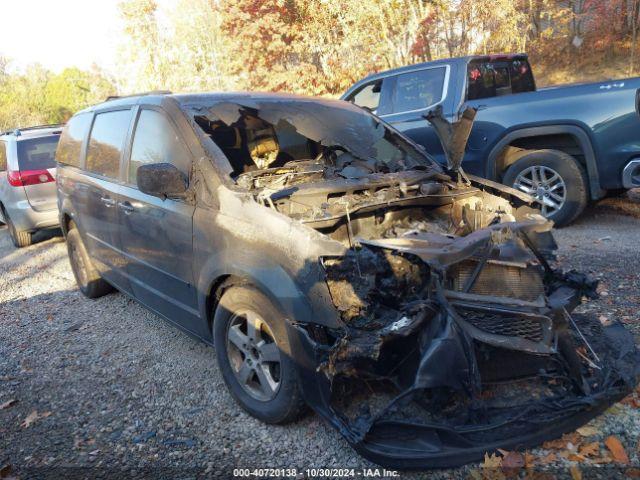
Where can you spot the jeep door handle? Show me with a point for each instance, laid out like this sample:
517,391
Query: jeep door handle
108,202
126,207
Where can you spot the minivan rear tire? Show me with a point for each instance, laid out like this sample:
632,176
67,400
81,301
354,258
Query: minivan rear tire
87,277
287,404
19,238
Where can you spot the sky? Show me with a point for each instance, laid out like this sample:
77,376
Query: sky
60,33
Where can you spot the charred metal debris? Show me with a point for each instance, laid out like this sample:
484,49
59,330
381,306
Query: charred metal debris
458,329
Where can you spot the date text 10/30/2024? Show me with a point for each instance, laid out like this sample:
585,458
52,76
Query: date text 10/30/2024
315,472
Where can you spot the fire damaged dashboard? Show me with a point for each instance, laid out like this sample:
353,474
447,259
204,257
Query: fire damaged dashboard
458,330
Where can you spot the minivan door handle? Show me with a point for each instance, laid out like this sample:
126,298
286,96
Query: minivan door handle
108,202
126,207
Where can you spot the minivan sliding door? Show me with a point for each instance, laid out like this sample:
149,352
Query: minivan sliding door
97,194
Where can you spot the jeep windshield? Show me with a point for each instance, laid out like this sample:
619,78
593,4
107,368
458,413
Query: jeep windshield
301,137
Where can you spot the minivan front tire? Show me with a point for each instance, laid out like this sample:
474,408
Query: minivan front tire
254,357
87,277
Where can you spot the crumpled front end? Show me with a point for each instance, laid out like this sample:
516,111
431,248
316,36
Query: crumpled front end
439,325
457,345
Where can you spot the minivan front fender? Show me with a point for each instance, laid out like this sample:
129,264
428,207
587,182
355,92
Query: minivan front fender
275,254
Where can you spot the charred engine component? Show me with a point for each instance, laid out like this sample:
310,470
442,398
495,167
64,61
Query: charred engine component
370,286
505,279
453,135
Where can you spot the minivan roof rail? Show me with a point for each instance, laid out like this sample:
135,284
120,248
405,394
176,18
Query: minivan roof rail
18,131
141,94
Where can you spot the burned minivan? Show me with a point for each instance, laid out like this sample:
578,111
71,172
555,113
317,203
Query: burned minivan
332,263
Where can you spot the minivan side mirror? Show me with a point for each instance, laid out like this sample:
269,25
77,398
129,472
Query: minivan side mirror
161,180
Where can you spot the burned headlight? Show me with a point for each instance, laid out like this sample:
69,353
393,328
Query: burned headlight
370,286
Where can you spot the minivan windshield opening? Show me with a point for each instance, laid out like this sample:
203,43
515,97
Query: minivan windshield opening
261,135
37,153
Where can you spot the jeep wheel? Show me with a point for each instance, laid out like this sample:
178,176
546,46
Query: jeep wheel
555,179
19,238
254,356
87,277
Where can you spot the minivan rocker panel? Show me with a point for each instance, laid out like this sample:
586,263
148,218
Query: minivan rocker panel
332,263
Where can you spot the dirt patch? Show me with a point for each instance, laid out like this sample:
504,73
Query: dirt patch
625,204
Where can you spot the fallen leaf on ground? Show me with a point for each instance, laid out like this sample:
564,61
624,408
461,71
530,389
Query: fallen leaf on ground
512,460
5,470
562,442
574,457
632,473
475,474
590,449
529,459
601,460
617,450
32,417
8,403
631,400
587,431
547,459
576,474
491,461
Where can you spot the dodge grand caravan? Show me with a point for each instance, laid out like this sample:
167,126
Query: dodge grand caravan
331,262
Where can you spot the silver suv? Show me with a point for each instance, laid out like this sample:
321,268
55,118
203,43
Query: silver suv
27,181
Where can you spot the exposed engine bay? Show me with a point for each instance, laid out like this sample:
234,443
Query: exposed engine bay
458,327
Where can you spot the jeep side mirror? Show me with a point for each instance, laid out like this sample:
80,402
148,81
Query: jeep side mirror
161,180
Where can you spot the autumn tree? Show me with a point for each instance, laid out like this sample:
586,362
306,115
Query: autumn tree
38,96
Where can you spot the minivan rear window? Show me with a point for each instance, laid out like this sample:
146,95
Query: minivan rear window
37,153
73,135
106,142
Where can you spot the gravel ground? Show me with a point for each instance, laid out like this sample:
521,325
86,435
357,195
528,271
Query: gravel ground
121,393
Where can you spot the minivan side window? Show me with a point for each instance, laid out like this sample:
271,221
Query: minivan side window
73,135
156,141
3,156
107,141
418,90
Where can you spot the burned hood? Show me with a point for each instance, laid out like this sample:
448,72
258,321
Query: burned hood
441,250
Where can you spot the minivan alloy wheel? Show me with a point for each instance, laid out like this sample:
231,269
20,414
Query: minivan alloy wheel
253,355
545,185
